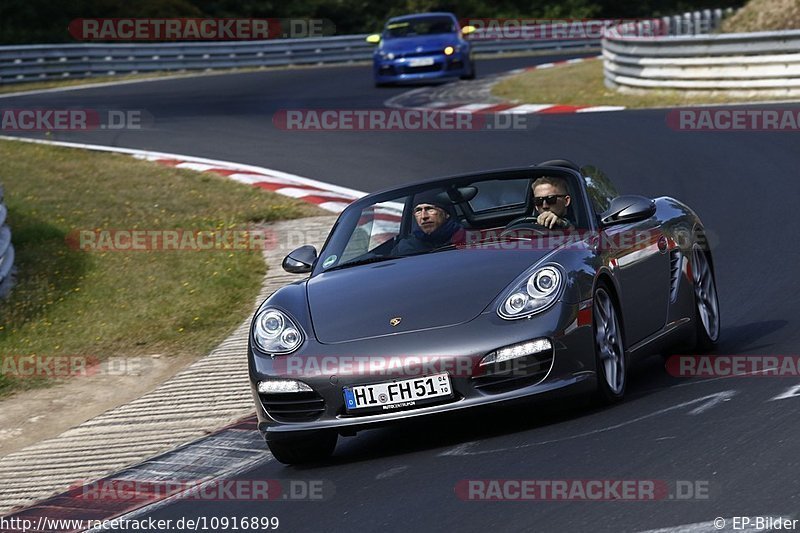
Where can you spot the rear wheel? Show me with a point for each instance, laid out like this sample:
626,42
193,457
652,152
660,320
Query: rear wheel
706,302
609,346
306,447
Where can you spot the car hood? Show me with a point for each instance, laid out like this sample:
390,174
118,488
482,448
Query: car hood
425,291
430,43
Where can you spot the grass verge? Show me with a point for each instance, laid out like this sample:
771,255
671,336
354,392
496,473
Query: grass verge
122,304
582,84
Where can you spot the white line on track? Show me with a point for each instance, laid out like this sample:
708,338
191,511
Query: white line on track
713,399
391,472
727,524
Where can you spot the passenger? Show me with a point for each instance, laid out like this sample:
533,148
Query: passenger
551,201
436,226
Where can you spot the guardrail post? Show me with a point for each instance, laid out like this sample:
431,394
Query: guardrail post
708,21
666,27
697,26
717,18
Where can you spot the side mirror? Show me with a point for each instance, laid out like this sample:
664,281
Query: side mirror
466,30
375,38
301,260
629,208
467,193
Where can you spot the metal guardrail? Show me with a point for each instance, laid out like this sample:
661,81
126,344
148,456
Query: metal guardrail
44,62
761,61
6,250
694,23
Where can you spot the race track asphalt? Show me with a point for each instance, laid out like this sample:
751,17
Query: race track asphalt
727,435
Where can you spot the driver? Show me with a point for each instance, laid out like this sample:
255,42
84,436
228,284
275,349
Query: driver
551,200
435,226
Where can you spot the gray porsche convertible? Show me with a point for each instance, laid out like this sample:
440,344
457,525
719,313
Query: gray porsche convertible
476,290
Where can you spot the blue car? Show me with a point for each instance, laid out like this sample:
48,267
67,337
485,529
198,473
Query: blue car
421,47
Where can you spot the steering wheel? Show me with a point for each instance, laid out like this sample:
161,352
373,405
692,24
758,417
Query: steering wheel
525,222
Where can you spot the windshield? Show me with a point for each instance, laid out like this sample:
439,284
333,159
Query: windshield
441,217
419,26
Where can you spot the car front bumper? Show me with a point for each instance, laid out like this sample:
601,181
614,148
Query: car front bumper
400,69
328,368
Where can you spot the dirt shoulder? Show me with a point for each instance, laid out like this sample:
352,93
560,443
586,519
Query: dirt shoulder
35,415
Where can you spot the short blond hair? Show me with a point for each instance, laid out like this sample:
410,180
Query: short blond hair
561,183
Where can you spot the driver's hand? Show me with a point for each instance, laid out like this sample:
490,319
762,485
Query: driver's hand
549,220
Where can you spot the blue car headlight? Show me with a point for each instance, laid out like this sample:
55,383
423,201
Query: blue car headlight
274,332
533,293
386,55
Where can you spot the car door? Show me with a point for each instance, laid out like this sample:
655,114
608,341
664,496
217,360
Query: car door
637,255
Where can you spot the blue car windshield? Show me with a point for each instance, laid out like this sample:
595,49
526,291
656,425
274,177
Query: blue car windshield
419,26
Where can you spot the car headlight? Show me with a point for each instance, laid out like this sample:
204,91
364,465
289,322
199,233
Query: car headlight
450,50
533,293
275,333
387,55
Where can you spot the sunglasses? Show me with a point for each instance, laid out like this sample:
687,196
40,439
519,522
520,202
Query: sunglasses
553,198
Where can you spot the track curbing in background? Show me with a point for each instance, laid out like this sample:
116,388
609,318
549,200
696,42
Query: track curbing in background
475,97
327,196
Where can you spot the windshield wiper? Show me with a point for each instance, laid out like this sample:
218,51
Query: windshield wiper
448,246
380,258
365,261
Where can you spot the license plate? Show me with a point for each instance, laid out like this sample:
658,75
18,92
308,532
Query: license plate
420,62
392,395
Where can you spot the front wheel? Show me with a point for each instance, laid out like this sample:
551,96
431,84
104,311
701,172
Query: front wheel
306,447
609,347
472,72
706,301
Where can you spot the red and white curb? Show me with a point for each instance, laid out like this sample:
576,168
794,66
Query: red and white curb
327,196
522,109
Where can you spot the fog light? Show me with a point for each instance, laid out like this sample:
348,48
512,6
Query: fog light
517,350
282,385
448,50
